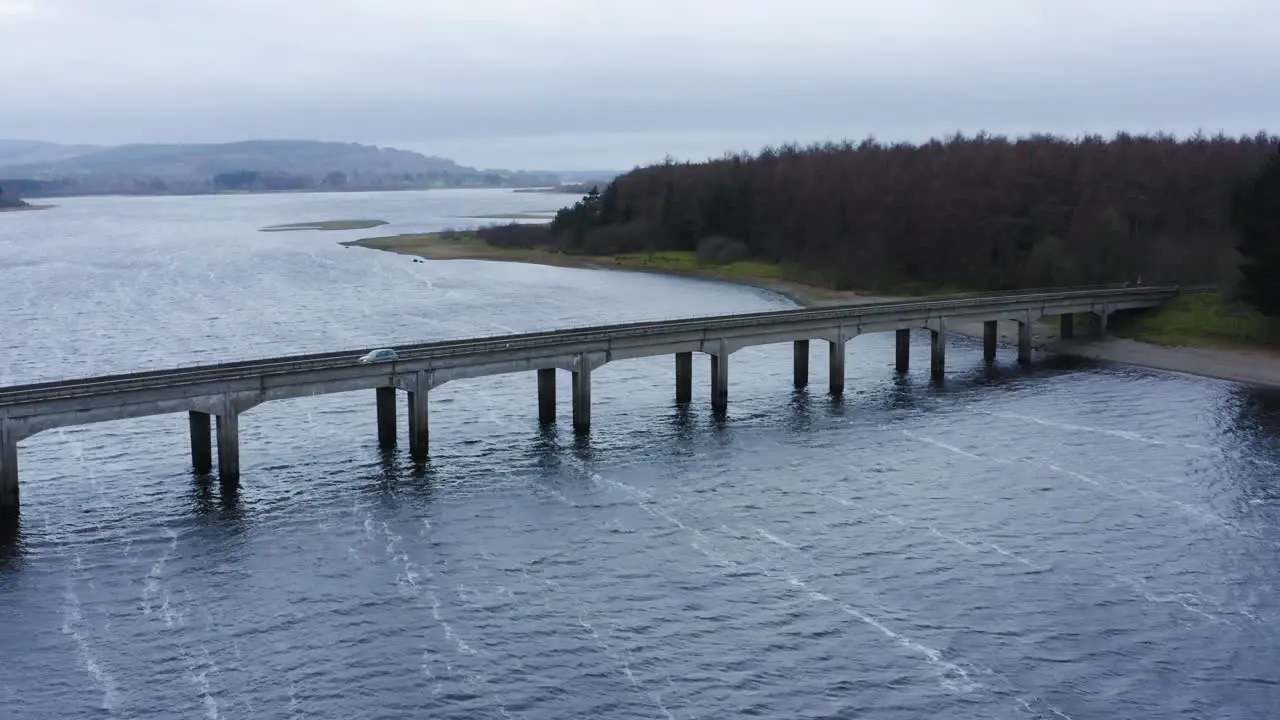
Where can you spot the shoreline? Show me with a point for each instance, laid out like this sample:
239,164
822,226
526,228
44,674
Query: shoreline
1257,368
26,208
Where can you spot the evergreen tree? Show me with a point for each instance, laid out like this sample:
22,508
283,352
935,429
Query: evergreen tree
1255,217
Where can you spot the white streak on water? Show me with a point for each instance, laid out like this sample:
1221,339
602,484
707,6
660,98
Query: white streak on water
960,681
1122,434
951,676
416,578
96,666
93,664
622,662
1193,510
1179,598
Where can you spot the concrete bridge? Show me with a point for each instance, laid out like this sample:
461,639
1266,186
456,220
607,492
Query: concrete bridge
219,394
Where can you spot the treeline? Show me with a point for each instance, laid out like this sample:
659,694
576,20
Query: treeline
10,201
983,212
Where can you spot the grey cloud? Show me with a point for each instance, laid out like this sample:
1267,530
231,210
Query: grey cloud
454,72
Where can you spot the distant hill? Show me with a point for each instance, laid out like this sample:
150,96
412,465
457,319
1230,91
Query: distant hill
253,165
25,152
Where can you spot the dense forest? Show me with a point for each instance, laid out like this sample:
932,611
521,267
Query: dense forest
10,202
980,212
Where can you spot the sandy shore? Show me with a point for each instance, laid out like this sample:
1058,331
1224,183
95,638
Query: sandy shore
1252,367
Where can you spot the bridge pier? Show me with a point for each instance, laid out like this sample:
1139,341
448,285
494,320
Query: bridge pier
229,446
990,335
1024,342
720,382
201,442
1066,326
386,417
1102,321
419,429
582,396
938,350
8,469
800,364
684,378
547,395
902,350
836,352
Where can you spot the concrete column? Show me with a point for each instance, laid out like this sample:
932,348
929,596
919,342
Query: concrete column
8,469
547,395
938,354
903,350
1102,321
386,417
419,429
1066,326
684,378
720,382
836,352
801,364
201,442
990,334
1024,342
229,446
582,396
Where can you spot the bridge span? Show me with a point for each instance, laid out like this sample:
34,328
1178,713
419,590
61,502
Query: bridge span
215,396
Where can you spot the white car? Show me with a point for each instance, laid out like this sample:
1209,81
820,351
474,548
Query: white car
380,355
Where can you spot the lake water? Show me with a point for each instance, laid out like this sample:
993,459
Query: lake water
1068,540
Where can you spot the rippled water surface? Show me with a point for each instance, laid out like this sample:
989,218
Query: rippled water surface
1063,541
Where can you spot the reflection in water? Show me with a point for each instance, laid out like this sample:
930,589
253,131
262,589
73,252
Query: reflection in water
10,537
799,412
1252,424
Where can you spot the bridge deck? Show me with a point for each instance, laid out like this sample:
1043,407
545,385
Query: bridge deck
227,389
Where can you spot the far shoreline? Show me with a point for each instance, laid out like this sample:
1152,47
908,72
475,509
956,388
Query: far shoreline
26,208
1257,368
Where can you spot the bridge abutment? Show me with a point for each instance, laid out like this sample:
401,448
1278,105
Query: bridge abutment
547,395
836,354
800,363
720,382
419,430
938,349
1024,342
201,424
386,403
582,396
990,337
902,350
1066,326
229,446
684,378
8,468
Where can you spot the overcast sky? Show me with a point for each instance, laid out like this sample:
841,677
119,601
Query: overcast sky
602,84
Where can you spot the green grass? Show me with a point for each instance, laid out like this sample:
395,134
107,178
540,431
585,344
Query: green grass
325,225
924,289
1200,320
514,216
687,261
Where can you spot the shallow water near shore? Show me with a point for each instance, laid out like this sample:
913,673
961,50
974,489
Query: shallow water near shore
1066,540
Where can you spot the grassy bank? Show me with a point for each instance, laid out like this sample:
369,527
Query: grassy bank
515,216
463,246
325,225
1200,320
